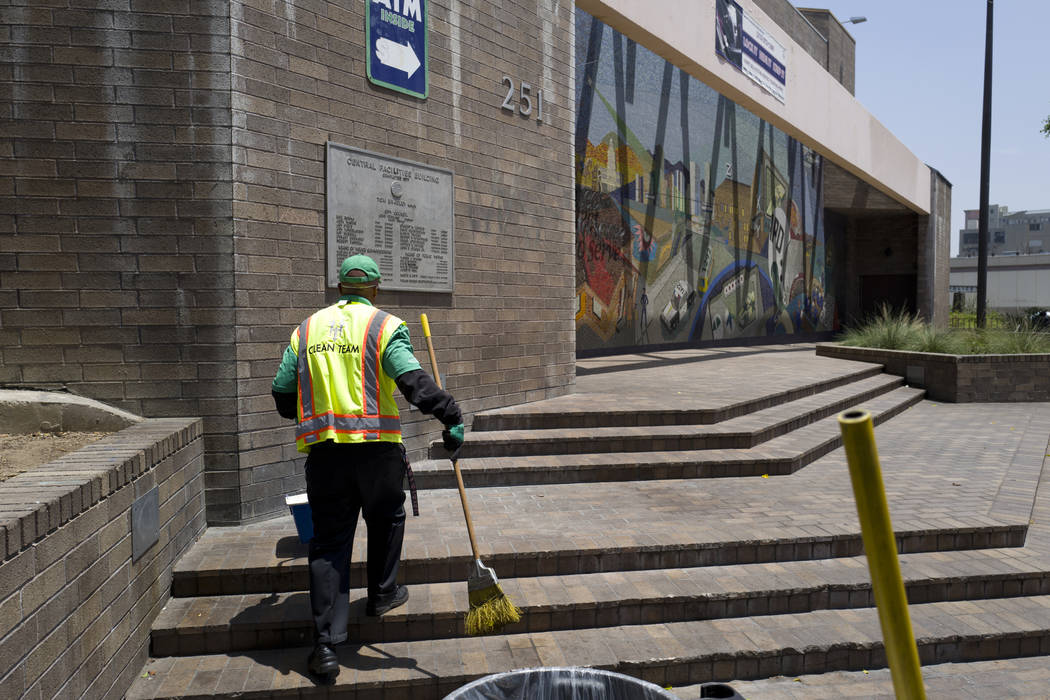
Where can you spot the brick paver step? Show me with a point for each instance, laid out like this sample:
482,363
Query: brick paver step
270,569
676,653
213,624
742,432
780,455
584,410
530,530
1026,678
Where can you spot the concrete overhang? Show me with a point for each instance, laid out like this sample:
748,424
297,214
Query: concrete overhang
818,111
845,193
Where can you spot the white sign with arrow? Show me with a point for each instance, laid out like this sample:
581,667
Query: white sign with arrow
398,56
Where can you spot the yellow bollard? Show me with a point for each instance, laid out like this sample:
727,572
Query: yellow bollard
880,546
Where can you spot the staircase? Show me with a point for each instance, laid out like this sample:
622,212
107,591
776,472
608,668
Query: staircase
673,540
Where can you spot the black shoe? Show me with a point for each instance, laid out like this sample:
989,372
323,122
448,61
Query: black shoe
323,661
384,603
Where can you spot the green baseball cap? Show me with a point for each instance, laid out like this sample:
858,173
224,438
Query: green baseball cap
359,269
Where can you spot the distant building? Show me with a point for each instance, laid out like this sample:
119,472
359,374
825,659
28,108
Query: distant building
1009,233
1019,273
1015,283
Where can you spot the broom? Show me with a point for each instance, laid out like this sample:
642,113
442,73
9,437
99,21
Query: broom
490,608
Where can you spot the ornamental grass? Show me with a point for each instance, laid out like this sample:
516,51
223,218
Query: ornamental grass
892,329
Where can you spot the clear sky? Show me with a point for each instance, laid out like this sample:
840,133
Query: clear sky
920,71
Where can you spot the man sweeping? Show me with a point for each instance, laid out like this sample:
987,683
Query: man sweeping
337,379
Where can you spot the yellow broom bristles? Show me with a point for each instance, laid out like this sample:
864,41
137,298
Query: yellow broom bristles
490,609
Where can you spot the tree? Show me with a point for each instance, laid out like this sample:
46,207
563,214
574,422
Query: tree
1046,128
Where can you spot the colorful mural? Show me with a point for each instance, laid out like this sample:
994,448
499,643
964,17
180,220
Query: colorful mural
695,220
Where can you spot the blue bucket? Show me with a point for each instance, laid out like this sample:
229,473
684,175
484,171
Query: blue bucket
304,521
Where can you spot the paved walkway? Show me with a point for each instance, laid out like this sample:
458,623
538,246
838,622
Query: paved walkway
942,460
945,467
967,469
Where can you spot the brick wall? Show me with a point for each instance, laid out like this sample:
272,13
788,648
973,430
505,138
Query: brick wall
116,235
75,610
959,378
506,334
879,245
934,252
162,207
995,378
839,47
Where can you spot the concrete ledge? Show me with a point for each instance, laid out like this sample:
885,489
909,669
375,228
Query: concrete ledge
959,378
23,411
79,584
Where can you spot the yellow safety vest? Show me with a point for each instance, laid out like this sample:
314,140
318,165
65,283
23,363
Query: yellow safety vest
344,394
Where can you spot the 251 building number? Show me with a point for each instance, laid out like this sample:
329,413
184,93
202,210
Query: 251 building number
524,96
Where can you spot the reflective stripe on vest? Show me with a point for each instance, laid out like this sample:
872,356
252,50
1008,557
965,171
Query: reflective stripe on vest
349,424
306,387
371,423
371,362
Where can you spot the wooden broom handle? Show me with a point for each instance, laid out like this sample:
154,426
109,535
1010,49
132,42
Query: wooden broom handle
455,463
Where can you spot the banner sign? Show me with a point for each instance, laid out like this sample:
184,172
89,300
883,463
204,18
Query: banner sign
751,49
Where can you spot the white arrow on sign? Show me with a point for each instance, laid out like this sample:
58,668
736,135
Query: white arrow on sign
398,56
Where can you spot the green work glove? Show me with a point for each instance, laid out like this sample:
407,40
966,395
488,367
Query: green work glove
452,437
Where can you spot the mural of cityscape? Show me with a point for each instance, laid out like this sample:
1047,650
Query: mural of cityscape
695,220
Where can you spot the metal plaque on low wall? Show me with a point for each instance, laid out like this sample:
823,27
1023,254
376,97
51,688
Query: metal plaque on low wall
396,211
145,523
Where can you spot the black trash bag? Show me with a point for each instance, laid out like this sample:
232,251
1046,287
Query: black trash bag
560,684
719,690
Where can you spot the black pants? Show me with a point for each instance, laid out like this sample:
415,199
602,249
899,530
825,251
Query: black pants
343,480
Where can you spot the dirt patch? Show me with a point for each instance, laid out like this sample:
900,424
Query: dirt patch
20,453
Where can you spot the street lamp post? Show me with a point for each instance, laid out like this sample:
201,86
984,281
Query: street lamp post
986,142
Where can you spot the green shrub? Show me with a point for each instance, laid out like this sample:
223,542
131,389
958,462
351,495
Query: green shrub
1025,340
1017,320
888,328
940,340
891,329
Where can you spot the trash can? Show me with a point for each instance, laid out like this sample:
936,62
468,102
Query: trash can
556,683
302,515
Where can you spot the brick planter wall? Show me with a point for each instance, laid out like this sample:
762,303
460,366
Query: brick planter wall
959,378
75,610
